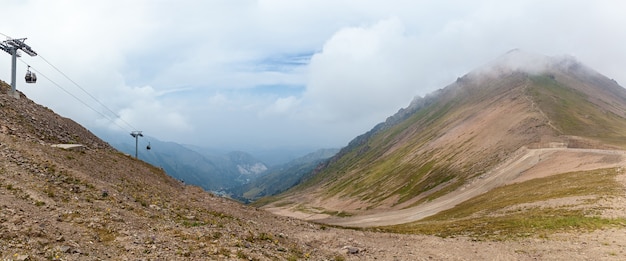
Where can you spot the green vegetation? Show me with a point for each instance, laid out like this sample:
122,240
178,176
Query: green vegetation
372,174
337,213
270,199
395,163
500,213
572,113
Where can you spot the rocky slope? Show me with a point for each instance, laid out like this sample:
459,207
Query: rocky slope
95,203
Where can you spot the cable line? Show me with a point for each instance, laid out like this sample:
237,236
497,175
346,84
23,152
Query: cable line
81,88
11,45
75,97
85,91
132,133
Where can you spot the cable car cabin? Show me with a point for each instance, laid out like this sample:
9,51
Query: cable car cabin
30,77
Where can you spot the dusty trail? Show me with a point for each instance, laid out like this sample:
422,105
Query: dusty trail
524,165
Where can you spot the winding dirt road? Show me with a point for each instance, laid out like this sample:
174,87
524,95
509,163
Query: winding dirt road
524,165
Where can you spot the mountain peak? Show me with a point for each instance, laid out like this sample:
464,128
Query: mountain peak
529,62
519,104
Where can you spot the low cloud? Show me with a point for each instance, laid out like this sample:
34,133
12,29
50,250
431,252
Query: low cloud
361,71
282,107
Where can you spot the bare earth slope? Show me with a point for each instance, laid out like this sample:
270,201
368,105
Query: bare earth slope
528,164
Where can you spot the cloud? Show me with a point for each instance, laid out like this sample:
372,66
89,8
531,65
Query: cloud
281,106
280,72
148,111
362,70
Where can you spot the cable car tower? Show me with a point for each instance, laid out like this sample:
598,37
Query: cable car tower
11,46
136,135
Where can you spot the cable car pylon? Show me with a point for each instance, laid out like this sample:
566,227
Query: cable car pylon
136,135
11,46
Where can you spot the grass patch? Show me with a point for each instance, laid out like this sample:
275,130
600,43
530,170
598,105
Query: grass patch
269,199
484,216
573,113
533,222
105,235
188,223
337,213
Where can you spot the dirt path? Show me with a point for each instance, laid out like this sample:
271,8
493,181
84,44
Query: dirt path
524,165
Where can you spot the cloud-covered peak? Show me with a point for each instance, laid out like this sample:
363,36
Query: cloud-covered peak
529,62
519,60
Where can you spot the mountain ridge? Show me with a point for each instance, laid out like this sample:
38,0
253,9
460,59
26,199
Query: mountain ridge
464,130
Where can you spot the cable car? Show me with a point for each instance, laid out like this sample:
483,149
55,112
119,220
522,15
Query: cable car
148,147
30,77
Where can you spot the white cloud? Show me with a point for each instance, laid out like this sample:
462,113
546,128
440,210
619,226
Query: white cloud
361,71
282,107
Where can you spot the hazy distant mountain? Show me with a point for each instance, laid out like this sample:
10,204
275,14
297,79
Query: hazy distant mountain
280,178
211,171
269,156
449,139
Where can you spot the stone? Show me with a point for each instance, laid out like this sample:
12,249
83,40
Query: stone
22,258
353,250
64,249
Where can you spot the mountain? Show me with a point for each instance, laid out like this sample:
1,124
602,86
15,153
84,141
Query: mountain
445,148
269,156
212,171
92,202
280,178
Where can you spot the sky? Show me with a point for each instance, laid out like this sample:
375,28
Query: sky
244,74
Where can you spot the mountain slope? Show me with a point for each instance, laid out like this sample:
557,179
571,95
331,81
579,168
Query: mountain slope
93,202
448,140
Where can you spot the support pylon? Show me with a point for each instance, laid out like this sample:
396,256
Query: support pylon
136,135
11,46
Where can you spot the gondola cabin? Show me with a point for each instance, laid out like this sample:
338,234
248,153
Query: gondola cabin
30,77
